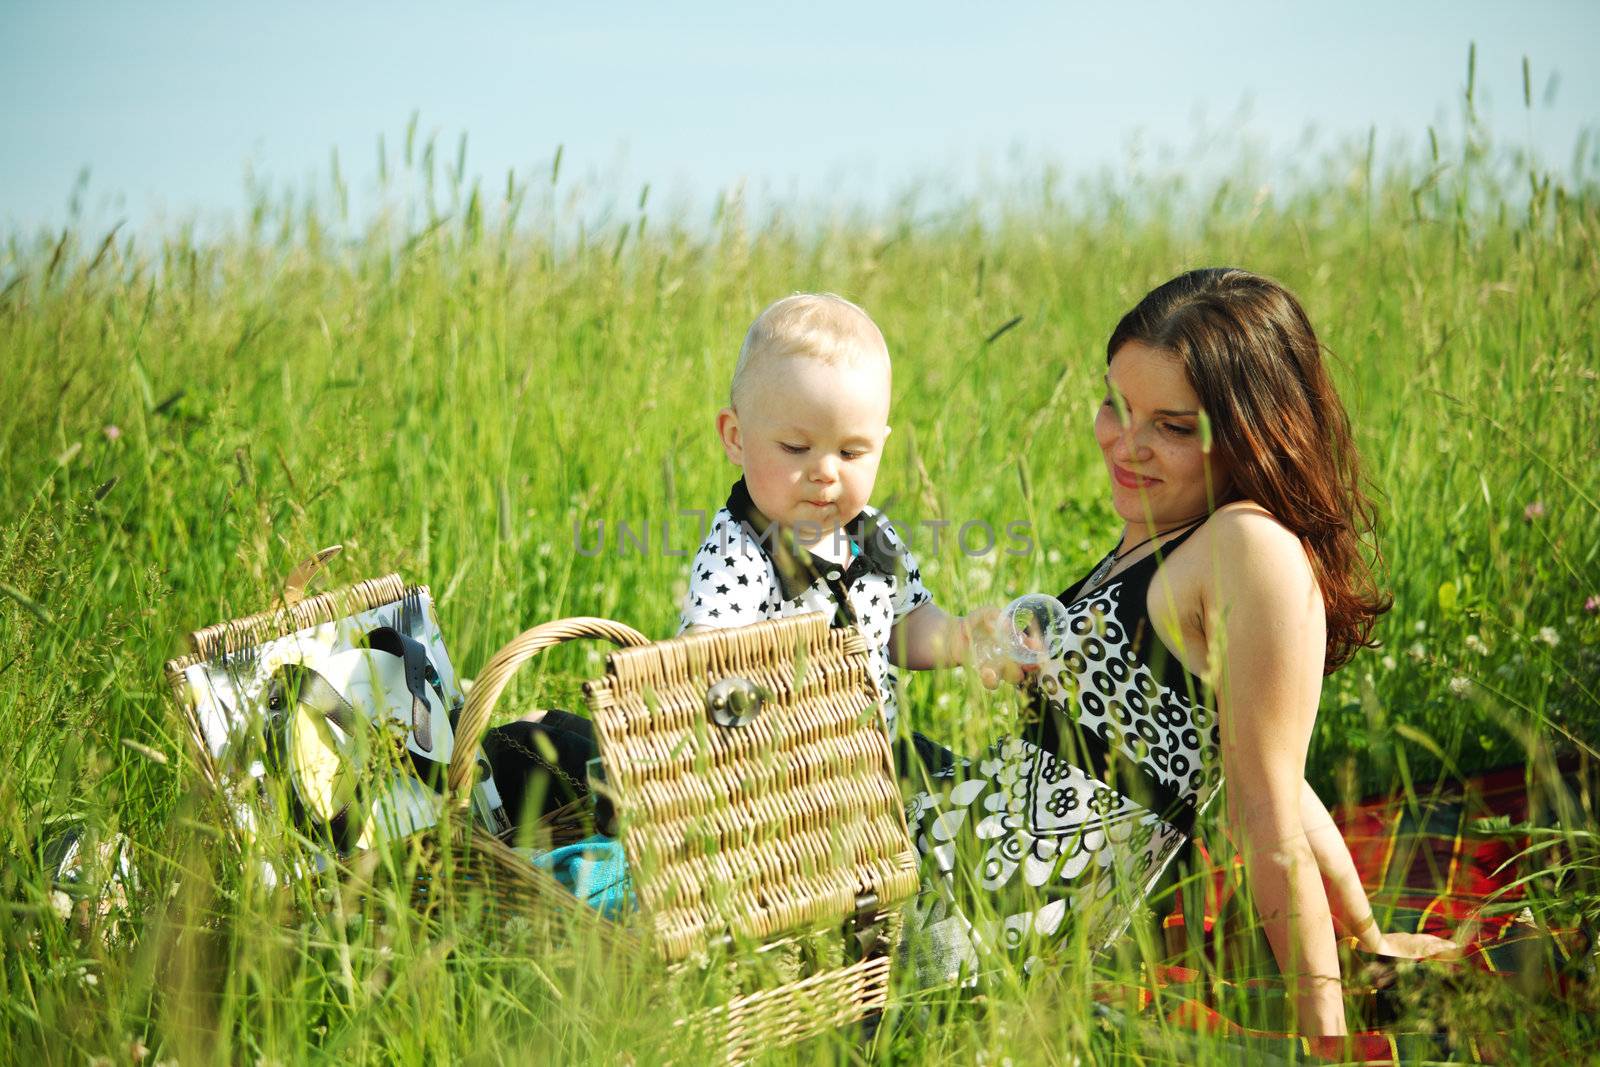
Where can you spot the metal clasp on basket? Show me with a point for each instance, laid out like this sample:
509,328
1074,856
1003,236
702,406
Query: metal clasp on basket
735,701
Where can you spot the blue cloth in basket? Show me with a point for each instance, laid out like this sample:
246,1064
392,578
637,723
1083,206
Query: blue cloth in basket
596,871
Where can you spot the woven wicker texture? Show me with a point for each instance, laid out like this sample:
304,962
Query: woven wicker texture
497,885
226,638
746,1027
791,821
788,821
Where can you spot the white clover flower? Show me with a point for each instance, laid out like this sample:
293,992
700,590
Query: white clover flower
1548,635
1460,686
1420,626
1389,663
61,904
1475,645
1418,651
1053,556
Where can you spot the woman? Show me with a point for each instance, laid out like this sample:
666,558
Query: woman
1196,654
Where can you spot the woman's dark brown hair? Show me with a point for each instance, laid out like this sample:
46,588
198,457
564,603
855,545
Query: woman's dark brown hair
1277,425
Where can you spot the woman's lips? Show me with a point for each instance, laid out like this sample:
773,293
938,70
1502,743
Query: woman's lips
1129,480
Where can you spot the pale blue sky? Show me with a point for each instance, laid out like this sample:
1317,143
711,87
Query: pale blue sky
166,104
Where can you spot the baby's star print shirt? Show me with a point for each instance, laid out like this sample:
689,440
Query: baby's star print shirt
748,569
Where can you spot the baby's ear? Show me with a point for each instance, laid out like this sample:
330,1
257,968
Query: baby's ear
732,437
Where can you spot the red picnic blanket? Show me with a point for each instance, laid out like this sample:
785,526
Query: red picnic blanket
1459,859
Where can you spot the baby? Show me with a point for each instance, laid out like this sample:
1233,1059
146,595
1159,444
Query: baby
807,418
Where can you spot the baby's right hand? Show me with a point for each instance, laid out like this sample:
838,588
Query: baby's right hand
985,654
1011,671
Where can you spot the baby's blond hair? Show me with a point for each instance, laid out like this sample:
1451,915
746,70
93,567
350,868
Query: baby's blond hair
818,326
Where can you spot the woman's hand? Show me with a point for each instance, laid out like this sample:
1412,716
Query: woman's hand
1407,946
1347,899
1417,947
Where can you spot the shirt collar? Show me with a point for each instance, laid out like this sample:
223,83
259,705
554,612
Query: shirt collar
872,550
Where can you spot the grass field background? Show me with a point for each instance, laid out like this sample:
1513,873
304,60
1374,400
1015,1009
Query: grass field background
453,389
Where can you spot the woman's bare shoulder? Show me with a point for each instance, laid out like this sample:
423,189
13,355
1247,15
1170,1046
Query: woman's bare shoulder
1245,522
1248,545
1242,563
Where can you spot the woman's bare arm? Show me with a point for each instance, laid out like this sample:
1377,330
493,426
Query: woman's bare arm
1347,898
1264,625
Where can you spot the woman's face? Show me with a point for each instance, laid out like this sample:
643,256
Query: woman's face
1148,429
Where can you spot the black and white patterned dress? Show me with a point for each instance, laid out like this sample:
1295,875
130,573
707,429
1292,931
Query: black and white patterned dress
747,570
1081,813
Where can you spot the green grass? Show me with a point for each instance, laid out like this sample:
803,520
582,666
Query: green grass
183,419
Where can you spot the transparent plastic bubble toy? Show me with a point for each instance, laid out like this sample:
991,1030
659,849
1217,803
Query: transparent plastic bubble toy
1031,629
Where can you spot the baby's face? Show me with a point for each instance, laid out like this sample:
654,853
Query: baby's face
809,437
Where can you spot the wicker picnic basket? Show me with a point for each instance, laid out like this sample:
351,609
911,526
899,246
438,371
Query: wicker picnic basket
753,784
755,790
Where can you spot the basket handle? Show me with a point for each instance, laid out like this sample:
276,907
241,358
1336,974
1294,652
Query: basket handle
496,674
